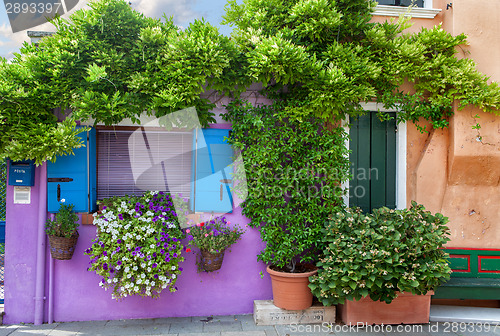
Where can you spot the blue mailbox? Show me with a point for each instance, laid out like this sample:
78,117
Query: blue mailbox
22,173
72,178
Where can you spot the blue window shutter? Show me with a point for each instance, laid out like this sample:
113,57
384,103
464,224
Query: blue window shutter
81,168
212,178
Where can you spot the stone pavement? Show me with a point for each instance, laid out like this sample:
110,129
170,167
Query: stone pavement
238,325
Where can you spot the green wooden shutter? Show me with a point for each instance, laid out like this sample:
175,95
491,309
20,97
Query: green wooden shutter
373,162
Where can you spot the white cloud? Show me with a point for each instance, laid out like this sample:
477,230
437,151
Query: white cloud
11,42
181,10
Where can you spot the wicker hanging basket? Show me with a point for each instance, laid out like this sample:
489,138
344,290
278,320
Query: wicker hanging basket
211,262
62,248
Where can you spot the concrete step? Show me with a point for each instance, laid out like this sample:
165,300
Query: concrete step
440,313
266,313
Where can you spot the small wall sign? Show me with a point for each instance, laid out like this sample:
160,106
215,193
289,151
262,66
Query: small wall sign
22,195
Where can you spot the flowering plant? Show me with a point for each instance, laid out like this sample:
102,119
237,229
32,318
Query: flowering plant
381,254
214,235
138,246
65,223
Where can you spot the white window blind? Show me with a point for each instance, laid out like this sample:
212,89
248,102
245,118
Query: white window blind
131,161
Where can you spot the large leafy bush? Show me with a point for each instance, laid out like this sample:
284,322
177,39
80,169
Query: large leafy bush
381,254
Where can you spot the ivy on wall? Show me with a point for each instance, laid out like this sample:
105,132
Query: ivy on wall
110,62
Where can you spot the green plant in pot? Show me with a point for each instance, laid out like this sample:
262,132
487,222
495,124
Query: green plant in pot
63,232
380,258
293,170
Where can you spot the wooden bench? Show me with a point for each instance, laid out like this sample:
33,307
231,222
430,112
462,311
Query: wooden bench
476,275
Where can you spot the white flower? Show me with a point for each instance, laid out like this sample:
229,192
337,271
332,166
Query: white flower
173,268
143,275
139,281
63,200
135,268
173,276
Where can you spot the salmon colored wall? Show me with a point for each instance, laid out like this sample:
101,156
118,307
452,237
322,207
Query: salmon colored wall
456,171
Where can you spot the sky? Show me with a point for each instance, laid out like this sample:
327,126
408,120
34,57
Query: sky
183,11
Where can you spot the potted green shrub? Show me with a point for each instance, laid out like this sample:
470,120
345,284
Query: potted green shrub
293,171
212,238
62,232
374,263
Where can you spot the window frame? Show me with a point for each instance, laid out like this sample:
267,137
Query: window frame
192,165
426,12
401,155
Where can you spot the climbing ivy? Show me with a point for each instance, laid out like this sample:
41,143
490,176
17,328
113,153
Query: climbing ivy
320,58
331,60
106,64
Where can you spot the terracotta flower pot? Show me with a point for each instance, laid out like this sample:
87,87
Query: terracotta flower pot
290,290
407,308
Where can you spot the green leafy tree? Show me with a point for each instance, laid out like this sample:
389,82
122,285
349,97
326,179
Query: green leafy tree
106,64
331,58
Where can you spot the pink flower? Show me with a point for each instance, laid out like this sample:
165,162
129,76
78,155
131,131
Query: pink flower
206,234
187,231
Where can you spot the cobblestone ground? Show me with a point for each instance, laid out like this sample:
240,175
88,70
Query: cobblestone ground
239,325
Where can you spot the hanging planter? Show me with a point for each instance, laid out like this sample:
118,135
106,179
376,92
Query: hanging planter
212,237
211,261
62,232
62,248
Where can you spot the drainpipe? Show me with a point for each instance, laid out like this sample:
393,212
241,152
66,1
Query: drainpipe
41,242
50,319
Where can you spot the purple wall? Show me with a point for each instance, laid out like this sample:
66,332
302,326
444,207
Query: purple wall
78,297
